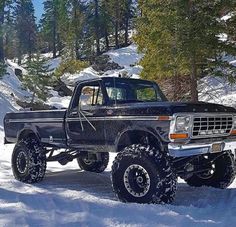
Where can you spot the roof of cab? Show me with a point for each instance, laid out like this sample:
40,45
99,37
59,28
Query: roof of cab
108,78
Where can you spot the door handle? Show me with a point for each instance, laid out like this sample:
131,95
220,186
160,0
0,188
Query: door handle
74,113
87,113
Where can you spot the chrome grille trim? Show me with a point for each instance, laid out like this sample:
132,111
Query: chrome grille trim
211,125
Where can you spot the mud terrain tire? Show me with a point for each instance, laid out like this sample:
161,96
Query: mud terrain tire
94,166
28,161
142,174
223,176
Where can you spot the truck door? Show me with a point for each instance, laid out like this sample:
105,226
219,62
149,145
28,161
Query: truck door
85,116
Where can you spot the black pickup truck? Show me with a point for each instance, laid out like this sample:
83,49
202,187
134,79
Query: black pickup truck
156,140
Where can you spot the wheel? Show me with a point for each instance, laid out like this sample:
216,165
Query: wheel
142,174
221,176
97,166
28,161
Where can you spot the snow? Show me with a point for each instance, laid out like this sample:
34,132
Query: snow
58,101
127,57
227,16
218,89
88,73
54,63
71,197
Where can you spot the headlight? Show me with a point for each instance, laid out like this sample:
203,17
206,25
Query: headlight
182,124
234,122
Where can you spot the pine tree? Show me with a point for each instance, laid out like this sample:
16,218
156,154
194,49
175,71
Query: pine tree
105,23
2,7
127,18
4,4
50,26
10,34
181,37
97,24
76,26
37,78
26,28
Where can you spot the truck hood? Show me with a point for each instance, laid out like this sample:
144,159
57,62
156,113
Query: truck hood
170,108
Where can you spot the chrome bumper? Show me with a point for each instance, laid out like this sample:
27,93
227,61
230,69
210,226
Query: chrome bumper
176,150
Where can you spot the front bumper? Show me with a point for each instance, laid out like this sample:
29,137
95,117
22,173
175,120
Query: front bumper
178,150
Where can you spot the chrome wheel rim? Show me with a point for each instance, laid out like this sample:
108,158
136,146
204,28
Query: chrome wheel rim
137,180
21,162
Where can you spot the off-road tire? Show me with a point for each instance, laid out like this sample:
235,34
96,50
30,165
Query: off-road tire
94,166
155,170
223,176
28,161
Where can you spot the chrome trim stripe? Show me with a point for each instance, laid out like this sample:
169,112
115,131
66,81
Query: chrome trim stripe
105,118
55,140
36,120
119,118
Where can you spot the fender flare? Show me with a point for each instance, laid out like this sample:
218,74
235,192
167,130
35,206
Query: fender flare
28,130
141,129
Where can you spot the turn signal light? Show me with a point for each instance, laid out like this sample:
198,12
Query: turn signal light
233,132
179,136
164,118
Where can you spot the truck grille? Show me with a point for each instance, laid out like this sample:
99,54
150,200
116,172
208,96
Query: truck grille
211,126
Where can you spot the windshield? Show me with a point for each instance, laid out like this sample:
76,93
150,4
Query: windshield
127,90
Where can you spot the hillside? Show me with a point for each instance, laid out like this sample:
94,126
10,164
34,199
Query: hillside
71,197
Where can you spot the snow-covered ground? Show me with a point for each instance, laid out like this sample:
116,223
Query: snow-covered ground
71,197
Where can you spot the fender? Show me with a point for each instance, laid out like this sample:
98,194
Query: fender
149,131
27,130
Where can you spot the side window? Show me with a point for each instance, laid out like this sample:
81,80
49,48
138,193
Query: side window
146,94
116,93
91,95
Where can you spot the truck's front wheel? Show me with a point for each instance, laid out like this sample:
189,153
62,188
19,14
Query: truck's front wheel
221,176
28,161
97,166
143,174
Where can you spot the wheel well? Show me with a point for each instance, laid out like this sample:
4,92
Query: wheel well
27,134
137,137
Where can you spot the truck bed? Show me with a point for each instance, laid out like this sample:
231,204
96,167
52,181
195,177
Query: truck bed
47,125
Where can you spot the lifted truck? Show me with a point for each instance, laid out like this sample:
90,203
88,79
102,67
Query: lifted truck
156,140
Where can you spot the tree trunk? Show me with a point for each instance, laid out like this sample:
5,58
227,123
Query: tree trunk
117,19
97,26
54,40
116,34
76,39
19,53
107,40
2,6
127,19
77,47
126,31
60,45
29,49
193,86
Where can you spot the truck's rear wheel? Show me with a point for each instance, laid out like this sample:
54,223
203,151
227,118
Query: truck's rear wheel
28,161
97,166
221,176
142,174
